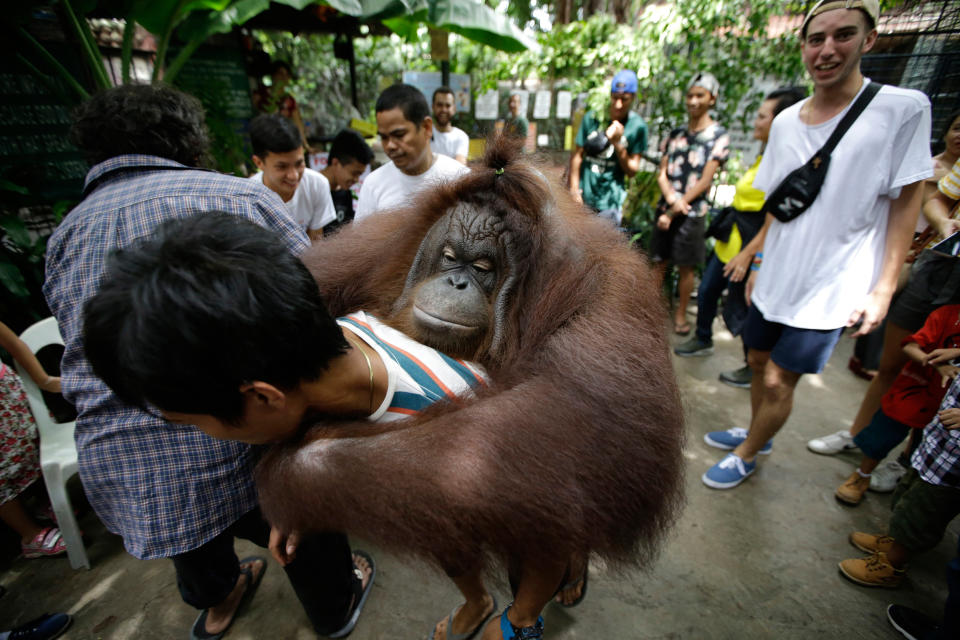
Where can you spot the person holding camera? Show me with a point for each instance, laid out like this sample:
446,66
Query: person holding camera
608,151
828,255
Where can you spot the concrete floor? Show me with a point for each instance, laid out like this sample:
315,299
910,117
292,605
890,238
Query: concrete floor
759,561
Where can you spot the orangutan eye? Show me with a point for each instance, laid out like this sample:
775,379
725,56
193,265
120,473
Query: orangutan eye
483,265
448,254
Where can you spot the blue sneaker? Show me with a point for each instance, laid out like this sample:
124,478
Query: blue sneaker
731,438
728,473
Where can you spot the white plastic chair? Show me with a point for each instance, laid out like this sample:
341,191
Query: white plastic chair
58,452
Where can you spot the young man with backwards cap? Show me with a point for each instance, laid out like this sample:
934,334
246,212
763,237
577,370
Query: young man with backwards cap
608,152
690,156
835,265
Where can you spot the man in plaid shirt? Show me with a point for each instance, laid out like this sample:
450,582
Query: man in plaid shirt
170,490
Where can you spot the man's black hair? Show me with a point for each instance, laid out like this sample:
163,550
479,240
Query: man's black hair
408,99
785,96
205,305
443,89
348,146
148,119
272,133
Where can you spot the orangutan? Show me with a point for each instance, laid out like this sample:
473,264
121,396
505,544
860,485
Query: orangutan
575,446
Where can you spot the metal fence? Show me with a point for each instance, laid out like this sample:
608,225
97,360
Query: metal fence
919,48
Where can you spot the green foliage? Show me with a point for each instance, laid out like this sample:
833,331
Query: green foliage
322,82
22,257
667,46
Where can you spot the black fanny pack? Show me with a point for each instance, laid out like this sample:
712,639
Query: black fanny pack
802,185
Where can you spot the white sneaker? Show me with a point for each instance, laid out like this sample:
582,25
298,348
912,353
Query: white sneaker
833,443
885,477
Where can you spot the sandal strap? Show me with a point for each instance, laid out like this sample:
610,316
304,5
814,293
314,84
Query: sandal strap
511,632
48,539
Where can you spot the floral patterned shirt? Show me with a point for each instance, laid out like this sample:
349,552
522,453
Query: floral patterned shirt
687,155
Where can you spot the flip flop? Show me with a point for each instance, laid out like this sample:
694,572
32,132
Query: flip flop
344,631
583,590
199,632
682,329
469,634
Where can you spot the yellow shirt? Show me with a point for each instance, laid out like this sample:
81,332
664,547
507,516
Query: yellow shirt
745,198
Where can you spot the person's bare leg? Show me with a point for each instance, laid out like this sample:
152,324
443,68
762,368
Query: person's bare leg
776,403
868,464
477,606
661,271
575,579
892,360
220,616
535,588
757,361
684,289
17,518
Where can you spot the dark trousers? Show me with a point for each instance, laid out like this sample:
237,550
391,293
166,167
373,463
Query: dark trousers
322,573
712,284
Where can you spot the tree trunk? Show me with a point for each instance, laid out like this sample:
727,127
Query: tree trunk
621,12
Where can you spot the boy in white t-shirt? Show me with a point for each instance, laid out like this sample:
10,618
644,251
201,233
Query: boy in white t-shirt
278,154
405,128
836,265
448,139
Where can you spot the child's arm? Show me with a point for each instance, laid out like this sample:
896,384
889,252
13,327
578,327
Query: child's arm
938,356
22,354
935,359
915,353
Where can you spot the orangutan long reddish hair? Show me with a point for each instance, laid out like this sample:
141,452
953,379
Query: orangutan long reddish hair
577,444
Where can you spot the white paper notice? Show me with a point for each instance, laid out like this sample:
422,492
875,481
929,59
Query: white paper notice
541,105
486,105
564,100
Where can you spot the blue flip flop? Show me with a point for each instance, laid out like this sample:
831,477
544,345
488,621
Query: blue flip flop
469,634
344,631
199,632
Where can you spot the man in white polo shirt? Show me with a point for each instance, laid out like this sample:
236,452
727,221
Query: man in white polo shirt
278,154
836,265
405,129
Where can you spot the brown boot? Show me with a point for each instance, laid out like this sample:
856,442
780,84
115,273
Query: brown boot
852,490
873,571
871,543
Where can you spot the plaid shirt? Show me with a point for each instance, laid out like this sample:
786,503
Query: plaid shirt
165,488
937,457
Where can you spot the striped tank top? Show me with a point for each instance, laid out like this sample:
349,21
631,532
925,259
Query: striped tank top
418,376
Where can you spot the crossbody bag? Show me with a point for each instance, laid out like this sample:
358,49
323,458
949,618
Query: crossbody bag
800,188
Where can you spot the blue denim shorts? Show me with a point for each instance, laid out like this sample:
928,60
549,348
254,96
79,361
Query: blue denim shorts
797,350
881,436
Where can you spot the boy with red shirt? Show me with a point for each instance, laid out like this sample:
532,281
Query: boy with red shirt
913,399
